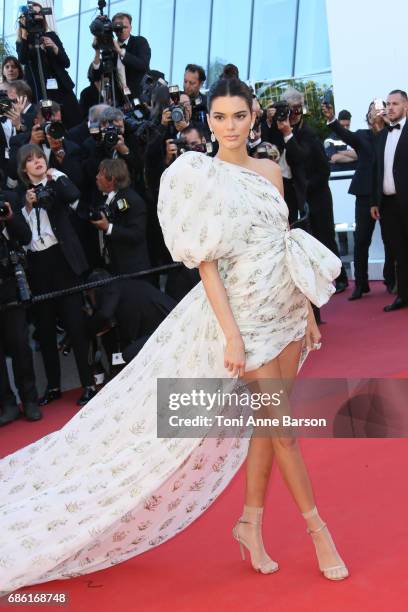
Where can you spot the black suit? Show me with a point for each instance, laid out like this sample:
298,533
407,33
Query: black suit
394,208
296,157
136,61
55,66
13,324
58,267
127,244
361,186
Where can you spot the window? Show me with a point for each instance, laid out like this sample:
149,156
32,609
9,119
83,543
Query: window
10,16
312,49
230,32
65,8
273,39
191,36
67,30
157,27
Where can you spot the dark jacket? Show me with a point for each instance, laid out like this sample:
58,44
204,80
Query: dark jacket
59,215
399,168
127,244
54,65
136,61
363,142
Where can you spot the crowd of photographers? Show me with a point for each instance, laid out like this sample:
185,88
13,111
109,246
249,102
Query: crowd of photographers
80,181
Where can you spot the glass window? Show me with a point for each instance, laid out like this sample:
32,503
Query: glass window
65,8
312,49
157,26
86,52
10,45
67,30
273,39
229,44
10,17
191,36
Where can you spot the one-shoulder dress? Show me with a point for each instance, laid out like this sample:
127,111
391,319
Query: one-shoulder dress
104,487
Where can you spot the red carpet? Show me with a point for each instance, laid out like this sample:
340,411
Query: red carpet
360,487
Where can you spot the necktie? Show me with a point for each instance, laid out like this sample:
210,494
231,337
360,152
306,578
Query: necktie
397,126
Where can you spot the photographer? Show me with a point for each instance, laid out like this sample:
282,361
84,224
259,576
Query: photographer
11,69
121,219
340,155
131,57
56,261
60,152
13,324
21,95
54,61
318,195
194,78
364,142
278,126
125,313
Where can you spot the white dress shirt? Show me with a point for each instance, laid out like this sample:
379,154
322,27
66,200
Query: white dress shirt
45,238
284,166
389,154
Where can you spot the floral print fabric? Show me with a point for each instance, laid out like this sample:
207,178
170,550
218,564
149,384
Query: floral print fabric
104,488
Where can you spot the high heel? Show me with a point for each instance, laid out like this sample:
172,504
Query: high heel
265,565
334,572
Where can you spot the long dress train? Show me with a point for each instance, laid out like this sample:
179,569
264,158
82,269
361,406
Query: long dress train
104,487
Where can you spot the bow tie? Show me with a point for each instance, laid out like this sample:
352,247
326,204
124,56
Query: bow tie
397,126
123,46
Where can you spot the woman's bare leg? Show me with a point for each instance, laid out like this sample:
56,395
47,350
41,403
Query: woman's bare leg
286,451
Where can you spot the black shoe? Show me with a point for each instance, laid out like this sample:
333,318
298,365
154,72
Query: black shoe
49,396
88,394
341,286
357,294
396,305
10,413
32,411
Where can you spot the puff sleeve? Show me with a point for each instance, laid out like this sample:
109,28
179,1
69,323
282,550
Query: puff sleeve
198,223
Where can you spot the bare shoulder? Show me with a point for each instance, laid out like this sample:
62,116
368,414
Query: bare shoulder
270,170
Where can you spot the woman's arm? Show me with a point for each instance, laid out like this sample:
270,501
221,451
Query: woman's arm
234,354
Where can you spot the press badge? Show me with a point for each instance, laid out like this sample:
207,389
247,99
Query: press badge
122,204
52,84
117,359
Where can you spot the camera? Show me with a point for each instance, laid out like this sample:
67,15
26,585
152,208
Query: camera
34,19
282,111
6,104
18,261
55,129
102,28
177,110
266,150
110,135
45,196
95,214
199,110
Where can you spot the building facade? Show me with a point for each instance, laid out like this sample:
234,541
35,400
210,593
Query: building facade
266,39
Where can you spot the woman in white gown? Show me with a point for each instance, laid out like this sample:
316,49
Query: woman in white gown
104,487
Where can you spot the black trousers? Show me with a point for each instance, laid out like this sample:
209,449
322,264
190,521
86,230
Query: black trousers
394,215
321,222
14,342
291,200
365,225
49,271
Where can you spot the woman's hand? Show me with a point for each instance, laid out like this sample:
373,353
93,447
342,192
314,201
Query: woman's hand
30,198
49,44
234,356
312,334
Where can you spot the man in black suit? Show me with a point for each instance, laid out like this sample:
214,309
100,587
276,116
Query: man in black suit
122,219
131,58
391,189
363,142
14,232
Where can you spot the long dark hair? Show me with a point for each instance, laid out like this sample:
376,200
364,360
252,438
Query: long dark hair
230,87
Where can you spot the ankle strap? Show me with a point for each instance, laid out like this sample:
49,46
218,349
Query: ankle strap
241,520
316,530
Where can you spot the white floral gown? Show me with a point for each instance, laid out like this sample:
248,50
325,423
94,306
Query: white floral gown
104,488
